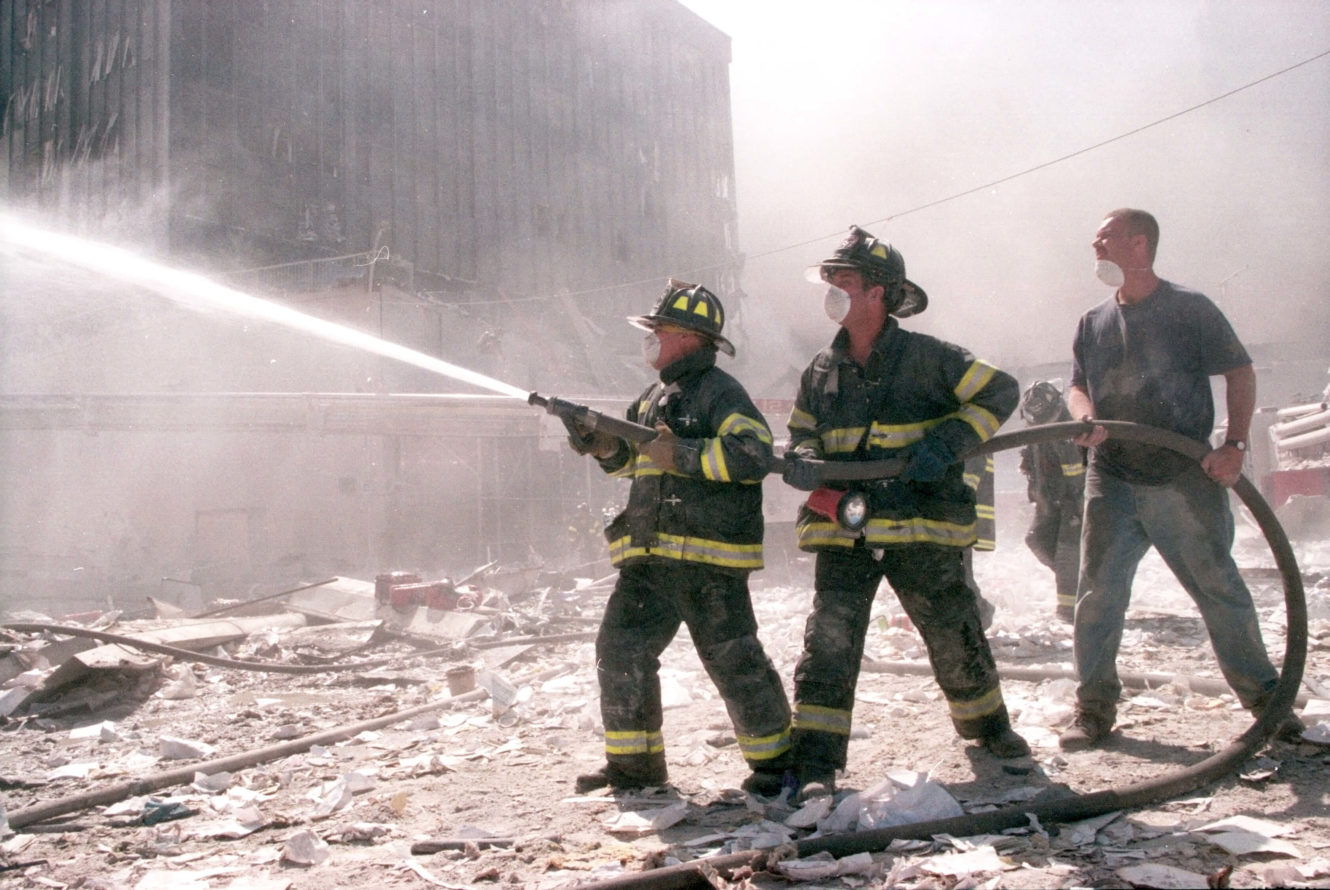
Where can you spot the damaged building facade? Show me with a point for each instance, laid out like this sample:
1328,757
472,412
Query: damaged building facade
496,184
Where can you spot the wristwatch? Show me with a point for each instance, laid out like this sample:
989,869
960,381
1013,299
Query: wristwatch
1236,443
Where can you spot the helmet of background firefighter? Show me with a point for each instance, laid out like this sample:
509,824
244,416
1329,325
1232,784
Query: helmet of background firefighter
1041,402
879,263
689,306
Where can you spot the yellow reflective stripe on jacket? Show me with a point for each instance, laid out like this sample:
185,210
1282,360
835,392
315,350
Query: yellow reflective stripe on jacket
982,706
976,377
686,549
713,454
842,441
634,741
1076,469
973,479
899,435
984,423
883,532
801,420
765,747
834,720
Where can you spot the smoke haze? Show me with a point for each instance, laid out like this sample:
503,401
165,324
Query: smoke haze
861,112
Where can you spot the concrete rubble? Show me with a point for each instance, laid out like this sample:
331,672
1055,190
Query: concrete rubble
386,768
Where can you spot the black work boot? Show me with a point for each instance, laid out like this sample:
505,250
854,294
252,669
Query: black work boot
1288,728
814,780
625,774
1005,743
768,782
1087,729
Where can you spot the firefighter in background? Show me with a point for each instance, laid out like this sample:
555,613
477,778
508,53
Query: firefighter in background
684,547
881,392
979,475
1055,472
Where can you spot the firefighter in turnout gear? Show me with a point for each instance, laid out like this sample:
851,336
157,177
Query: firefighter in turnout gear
684,547
877,392
1055,474
980,475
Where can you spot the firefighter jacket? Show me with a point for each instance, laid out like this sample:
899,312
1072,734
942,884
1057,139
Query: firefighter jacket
913,386
1055,472
709,508
980,475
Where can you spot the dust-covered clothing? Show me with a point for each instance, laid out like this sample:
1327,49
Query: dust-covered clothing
929,581
650,600
980,475
1189,522
913,386
1055,485
685,545
1151,363
709,508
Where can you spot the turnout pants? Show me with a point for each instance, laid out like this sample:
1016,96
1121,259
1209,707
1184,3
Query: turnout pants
649,602
1055,540
929,581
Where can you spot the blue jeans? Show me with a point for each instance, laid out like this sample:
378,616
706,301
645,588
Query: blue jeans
1189,522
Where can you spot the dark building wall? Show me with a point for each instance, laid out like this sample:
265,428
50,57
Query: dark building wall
85,125
507,147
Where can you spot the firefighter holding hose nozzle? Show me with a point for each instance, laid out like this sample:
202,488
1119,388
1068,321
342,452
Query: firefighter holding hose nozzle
685,545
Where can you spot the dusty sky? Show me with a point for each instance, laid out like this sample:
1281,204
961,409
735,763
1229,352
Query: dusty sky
864,111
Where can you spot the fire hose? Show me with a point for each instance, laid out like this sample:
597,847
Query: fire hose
1084,806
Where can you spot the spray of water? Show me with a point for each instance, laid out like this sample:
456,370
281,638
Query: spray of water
196,291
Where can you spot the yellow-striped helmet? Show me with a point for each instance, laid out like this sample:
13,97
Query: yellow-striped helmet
689,306
879,263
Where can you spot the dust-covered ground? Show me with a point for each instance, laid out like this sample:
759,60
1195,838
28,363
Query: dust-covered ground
461,795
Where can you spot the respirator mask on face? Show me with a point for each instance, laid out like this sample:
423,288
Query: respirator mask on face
836,303
651,348
1109,273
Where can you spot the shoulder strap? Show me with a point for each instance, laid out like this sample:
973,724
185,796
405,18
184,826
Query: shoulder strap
883,387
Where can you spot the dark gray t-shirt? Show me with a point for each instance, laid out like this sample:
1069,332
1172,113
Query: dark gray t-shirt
1151,363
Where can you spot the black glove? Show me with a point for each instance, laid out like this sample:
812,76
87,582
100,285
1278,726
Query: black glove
929,459
592,442
800,473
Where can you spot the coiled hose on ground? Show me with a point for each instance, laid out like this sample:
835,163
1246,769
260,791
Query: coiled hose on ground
690,874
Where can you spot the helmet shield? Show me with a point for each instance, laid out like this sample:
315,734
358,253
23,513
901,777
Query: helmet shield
689,306
879,263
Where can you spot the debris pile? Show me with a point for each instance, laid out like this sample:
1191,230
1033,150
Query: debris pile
408,731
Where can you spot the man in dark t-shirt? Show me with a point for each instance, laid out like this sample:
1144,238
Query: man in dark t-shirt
1146,355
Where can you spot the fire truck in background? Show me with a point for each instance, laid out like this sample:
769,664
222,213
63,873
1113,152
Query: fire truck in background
1292,464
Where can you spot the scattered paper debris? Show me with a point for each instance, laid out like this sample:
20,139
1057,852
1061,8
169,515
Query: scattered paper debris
305,848
824,865
634,822
981,859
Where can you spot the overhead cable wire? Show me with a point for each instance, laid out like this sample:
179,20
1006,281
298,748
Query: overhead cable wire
969,191
1098,145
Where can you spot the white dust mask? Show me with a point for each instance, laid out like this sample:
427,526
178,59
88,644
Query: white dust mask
836,304
651,348
1109,273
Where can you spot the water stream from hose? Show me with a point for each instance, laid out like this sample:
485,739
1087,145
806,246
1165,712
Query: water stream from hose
199,292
